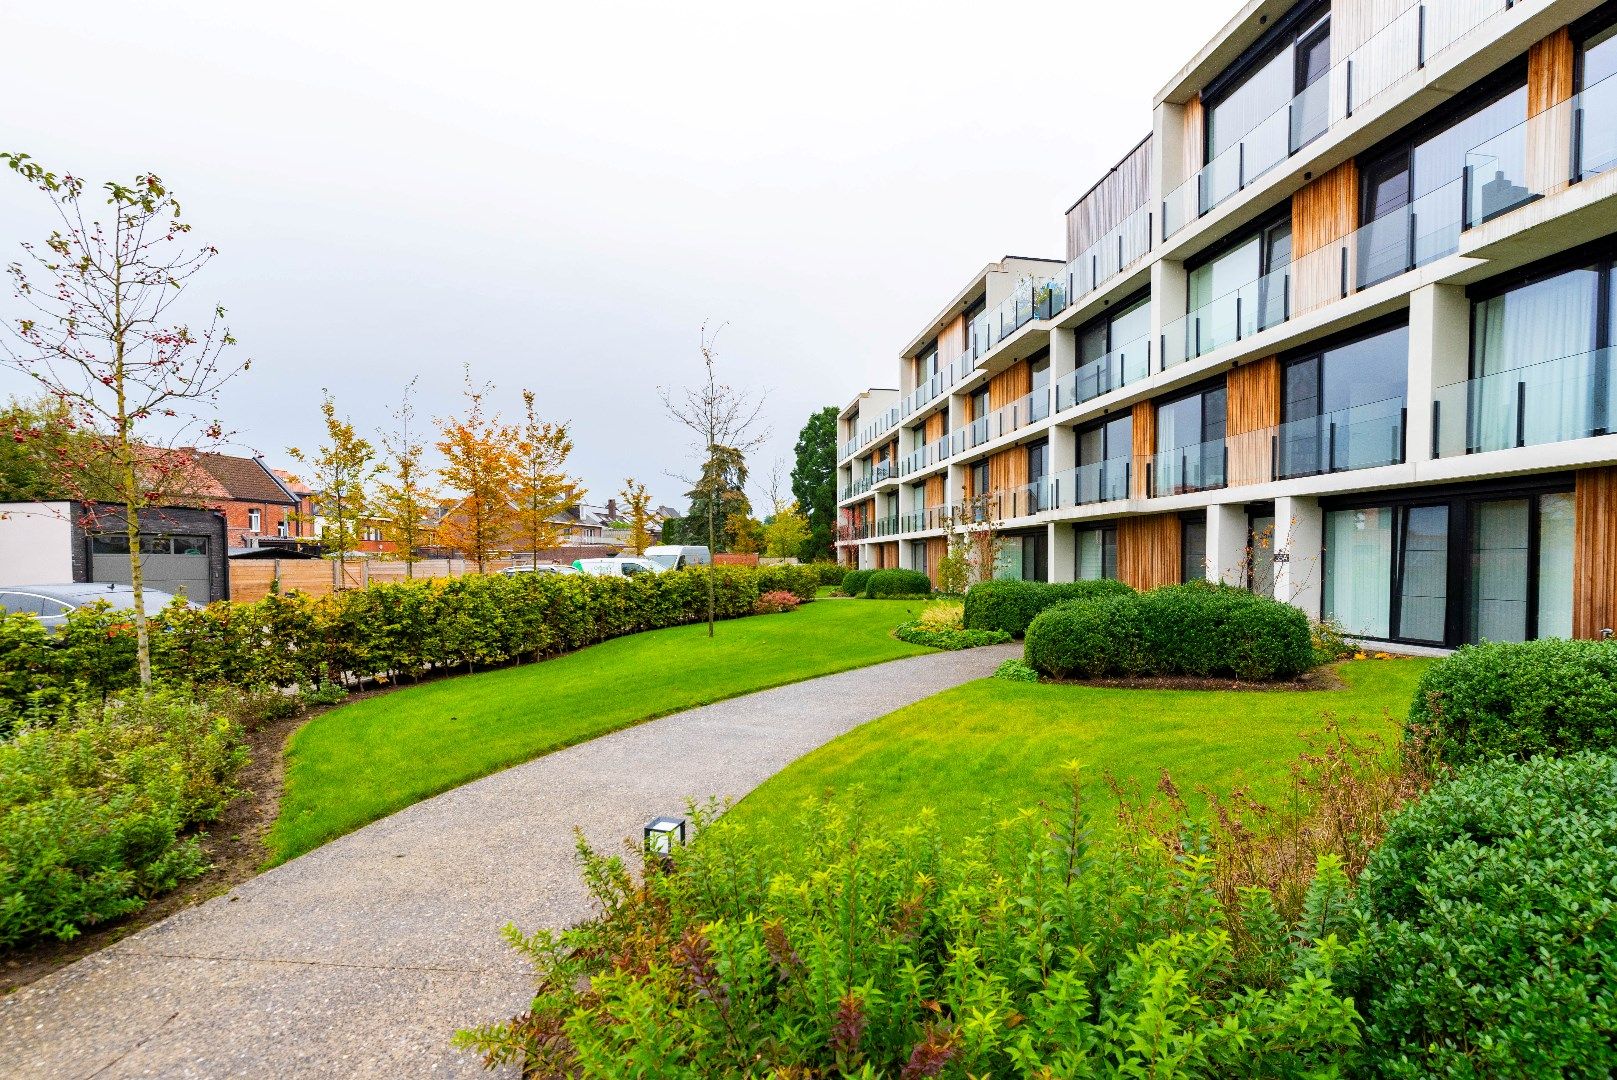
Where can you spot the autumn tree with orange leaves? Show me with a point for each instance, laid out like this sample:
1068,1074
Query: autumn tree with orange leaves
482,469
543,488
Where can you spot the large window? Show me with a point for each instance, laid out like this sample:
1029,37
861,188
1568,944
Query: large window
1541,359
1039,373
1190,442
1021,556
1342,407
1097,553
1597,102
1239,290
1447,571
1104,452
1113,350
1414,192
1038,471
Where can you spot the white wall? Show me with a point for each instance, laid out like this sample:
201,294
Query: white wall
36,543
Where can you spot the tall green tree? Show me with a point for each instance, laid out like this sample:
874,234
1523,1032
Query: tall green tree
340,472
719,496
814,480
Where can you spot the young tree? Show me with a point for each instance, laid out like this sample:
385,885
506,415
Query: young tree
637,512
543,489
404,499
481,466
720,492
746,535
339,471
720,420
814,478
786,533
96,336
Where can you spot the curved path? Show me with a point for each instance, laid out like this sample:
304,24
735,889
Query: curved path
362,957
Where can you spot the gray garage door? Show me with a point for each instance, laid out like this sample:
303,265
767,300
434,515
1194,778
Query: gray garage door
181,569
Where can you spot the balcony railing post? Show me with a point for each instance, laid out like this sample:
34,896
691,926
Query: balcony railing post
1344,272
1420,37
1521,414
1575,166
1349,82
1330,453
1437,410
1237,316
1274,457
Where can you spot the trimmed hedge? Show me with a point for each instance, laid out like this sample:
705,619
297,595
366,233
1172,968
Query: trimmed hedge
936,637
1518,700
1198,629
394,630
1491,921
1011,605
853,582
897,583
830,573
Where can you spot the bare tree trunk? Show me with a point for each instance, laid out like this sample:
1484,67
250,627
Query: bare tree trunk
712,567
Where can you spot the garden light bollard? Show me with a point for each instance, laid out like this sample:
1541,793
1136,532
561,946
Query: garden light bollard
661,833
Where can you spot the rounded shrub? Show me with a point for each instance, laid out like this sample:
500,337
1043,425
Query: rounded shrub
853,582
1518,700
1011,605
1088,638
830,573
898,583
1491,921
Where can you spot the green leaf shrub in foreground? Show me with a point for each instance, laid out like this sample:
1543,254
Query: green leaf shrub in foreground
1198,630
93,808
1517,700
935,637
922,951
1011,605
886,583
853,582
1492,925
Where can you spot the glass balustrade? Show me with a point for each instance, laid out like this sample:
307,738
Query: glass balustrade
1123,365
1255,306
1362,437
1570,397
1096,482
1198,467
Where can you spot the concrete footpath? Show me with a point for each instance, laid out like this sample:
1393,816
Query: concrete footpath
363,957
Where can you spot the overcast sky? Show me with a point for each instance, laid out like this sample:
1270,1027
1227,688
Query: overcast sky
559,195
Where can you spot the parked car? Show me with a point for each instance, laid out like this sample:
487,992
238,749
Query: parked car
542,568
622,566
51,603
679,556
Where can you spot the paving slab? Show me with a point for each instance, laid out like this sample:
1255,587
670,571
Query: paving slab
362,957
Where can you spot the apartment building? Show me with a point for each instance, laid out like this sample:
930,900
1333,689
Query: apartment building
1340,329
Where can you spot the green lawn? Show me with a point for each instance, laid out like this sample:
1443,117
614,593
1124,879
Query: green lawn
978,752
367,759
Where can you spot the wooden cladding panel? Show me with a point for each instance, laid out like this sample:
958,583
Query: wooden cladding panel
1253,410
1123,190
887,555
1014,382
1549,71
1195,139
934,490
1145,444
936,548
952,339
1594,552
936,425
1325,209
1148,550
1007,470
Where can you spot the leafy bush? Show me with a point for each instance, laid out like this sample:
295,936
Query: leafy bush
917,951
919,633
773,603
830,573
1197,629
93,808
1330,641
324,692
1015,670
944,615
1492,921
1518,700
897,583
853,582
387,631
1011,605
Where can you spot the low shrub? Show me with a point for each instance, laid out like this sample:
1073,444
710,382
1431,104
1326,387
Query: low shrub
94,808
1015,670
853,582
918,633
916,951
944,615
1491,912
897,583
799,580
1330,641
1518,700
1011,605
831,573
325,692
773,603
1199,630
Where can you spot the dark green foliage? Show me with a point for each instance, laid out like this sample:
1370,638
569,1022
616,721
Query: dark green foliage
922,951
395,630
1014,670
1517,700
814,480
94,806
1011,605
1491,911
897,583
942,637
830,573
853,582
1199,630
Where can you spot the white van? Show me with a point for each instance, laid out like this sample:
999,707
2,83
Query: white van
626,566
679,556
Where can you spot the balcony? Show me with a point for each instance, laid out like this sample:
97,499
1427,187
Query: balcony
1024,501
1107,480
1126,364
928,517
1198,467
1362,437
885,526
1024,412
1399,49
1571,397
928,391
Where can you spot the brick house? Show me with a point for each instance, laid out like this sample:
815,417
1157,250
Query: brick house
254,501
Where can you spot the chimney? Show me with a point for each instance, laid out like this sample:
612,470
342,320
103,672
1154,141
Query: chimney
611,509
